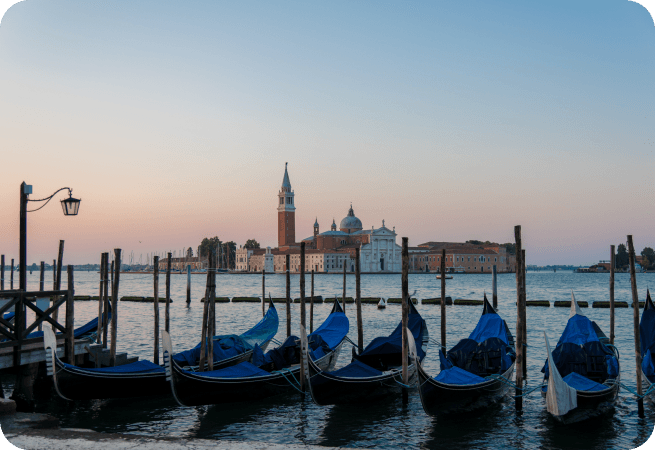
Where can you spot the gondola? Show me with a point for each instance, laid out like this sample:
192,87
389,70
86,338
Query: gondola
647,338
275,372
583,374
373,374
474,373
144,378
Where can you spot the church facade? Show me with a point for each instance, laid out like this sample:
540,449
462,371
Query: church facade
328,251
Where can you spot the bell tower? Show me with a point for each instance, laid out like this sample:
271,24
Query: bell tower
286,213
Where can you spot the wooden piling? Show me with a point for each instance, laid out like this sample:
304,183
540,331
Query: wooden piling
520,361
288,297
167,317
311,306
100,302
443,300
2,274
156,309
635,316
612,263
69,348
60,257
42,279
494,286
211,326
358,302
405,314
343,296
106,302
263,292
188,284
302,307
116,265
524,320
11,280
205,315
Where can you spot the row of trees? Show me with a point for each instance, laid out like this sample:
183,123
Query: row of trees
622,259
226,250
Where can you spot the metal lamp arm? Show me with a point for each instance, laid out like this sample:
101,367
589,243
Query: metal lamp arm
47,199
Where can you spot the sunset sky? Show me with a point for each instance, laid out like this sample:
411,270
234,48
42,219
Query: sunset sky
451,121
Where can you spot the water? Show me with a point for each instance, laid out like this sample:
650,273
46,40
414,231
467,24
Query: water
387,424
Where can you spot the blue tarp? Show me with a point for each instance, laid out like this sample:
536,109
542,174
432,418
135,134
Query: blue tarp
490,325
577,381
333,330
230,345
648,366
455,375
443,361
242,370
9,315
579,330
136,367
392,344
356,369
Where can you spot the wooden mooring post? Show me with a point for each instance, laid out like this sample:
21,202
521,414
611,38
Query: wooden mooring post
60,258
288,297
211,326
42,280
116,265
100,303
311,305
358,302
302,307
524,314
494,287
69,350
11,280
443,300
343,296
205,315
263,292
105,295
405,314
612,263
2,273
635,316
520,305
167,312
188,284
156,310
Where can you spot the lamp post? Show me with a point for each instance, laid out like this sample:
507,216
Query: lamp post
70,206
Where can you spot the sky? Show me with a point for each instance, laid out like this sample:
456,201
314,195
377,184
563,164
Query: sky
451,121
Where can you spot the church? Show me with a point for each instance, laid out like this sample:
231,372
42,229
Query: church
327,251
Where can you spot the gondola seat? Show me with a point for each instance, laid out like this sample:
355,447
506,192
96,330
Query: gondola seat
490,357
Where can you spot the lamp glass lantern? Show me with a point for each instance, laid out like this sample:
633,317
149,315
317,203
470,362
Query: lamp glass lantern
70,206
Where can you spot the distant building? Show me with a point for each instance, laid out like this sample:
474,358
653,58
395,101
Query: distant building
179,264
461,257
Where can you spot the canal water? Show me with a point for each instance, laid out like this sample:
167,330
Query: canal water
388,424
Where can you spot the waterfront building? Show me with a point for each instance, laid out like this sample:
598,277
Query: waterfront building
461,257
179,264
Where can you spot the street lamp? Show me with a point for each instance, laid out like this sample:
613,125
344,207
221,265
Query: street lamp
70,206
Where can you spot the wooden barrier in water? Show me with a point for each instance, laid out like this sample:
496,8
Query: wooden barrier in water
436,301
567,304
604,304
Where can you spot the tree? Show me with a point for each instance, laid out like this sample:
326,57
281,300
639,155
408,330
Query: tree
208,246
251,243
511,248
189,253
622,258
649,255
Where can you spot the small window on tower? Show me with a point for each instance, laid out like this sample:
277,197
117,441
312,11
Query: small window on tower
281,200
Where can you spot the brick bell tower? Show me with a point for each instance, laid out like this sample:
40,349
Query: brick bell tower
286,214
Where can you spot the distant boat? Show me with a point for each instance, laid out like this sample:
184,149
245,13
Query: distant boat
448,277
382,304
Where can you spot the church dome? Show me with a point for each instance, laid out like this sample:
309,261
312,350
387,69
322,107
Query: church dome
350,223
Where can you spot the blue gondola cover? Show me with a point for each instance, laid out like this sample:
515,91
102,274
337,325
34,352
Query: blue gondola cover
392,344
357,369
455,375
242,370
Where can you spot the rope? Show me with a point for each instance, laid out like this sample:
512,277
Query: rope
524,393
354,345
648,391
281,372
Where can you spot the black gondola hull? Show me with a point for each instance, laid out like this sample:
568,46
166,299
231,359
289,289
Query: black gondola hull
441,398
194,389
590,404
327,389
